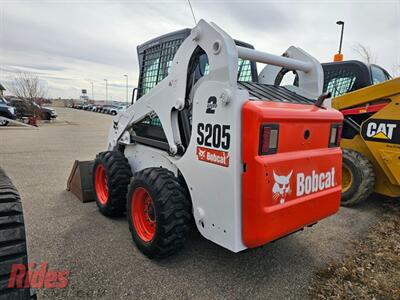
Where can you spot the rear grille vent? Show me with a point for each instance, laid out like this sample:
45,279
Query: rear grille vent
273,93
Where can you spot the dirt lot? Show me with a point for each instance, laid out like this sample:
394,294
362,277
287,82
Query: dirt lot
101,257
372,271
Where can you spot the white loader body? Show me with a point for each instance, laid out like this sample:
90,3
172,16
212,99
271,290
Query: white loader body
211,165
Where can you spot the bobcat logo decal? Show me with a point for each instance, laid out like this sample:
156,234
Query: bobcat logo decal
202,153
281,187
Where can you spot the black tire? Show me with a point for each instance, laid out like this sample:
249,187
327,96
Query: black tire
363,178
3,122
172,212
12,238
118,174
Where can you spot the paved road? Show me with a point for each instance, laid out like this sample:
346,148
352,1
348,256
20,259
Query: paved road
101,256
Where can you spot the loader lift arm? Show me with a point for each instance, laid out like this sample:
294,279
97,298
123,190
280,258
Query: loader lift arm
223,57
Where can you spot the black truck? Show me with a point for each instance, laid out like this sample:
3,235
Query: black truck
7,111
26,108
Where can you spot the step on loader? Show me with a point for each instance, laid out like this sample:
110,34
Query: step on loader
211,142
370,102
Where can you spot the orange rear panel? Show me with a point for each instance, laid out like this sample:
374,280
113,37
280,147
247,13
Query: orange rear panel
298,185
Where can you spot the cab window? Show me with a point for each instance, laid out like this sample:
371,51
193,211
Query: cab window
379,75
150,75
157,61
340,85
244,70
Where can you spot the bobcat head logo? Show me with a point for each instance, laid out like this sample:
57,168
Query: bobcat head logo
281,187
115,125
202,153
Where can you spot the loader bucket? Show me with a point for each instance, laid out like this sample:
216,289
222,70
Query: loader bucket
80,180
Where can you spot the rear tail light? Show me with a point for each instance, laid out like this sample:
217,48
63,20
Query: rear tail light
269,134
335,136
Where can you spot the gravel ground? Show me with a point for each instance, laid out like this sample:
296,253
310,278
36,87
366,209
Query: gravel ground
100,255
372,271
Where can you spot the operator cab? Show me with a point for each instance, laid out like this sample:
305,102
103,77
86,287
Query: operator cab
155,59
156,55
347,76
341,77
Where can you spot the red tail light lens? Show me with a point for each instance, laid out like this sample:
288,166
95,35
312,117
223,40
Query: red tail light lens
335,136
269,134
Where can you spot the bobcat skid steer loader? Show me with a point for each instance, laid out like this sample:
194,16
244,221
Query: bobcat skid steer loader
209,142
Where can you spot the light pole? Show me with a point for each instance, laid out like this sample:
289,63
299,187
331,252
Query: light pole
339,55
92,90
106,91
126,88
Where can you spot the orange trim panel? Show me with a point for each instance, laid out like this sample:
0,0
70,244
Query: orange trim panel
297,186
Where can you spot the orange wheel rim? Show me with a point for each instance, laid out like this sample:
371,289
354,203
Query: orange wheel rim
101,184
143,214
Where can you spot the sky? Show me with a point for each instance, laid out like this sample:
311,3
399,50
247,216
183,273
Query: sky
69,44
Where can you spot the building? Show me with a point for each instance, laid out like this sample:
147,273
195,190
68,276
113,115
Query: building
84,96
2,89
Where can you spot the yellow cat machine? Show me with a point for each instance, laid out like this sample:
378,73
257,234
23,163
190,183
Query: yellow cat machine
370,102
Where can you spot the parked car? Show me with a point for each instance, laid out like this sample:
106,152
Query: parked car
48,113
114,110
97,108
25,108
7,111
106,109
